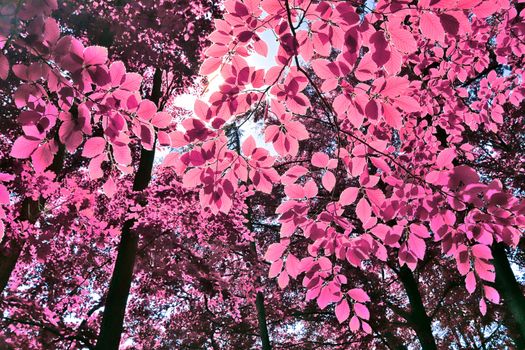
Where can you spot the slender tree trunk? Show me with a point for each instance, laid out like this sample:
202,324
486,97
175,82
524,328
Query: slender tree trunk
511,292
29,211
235,142
8,259
421,322
117,298
120,284
261,317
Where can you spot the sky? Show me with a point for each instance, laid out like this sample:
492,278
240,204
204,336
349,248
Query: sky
187,101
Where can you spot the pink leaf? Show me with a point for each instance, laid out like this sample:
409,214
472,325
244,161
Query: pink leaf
358,295
484,270
117,72
283,280
483,307
349,195
109,187
402,39
342,311
419,230
328,180
70,136
294,191
322,69
23,147
310,189
366,68
445,158
491,294
407,104
275,268
210,65
366,327
296,129
95,169
131,82
430,26
363,210
94,55
417,246
93,147
261,47
470,282
320,160
355,324
485,9
4,195
481,251
325,297
147,110
361,311
147,136
392,116
122,154
293,266
248,146
42,158
274,252
164,138
5,177
161,120
202,110
292,174
4,67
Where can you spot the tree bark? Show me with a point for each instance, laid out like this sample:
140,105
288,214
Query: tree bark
421,322
261,317
8,259
120,284
117,298
235,143
29,211
511,292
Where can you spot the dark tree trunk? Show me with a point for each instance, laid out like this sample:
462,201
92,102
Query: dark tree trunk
120,284
12,248
235,143
117,298
261,317
511,292
8,258
421,322
29,211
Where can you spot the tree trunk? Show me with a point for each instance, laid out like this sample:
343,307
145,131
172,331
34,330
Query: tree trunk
117,298
8,259
511,292
261,317
120,284
421,323
235,143
29,211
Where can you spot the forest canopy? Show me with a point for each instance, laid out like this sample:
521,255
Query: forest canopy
262,174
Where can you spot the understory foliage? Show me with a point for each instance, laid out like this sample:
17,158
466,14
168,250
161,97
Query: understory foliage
350,176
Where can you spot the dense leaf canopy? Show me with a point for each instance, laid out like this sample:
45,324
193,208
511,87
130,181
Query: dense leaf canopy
275,174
